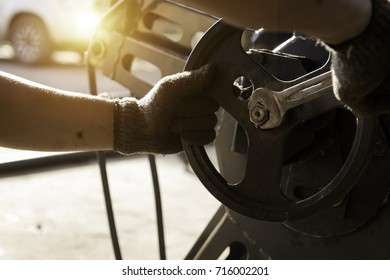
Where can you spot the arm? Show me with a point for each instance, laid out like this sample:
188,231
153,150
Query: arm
36,117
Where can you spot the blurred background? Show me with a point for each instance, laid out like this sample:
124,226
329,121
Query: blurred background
51,204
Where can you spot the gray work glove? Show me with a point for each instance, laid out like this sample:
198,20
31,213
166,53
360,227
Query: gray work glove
175,107
361,66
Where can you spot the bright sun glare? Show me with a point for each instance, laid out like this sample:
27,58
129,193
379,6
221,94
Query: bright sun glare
86,22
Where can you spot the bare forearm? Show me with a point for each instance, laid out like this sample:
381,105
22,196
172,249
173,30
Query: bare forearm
38,118
35,117
332,21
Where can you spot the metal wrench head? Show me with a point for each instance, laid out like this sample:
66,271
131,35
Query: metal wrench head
265,110
278,103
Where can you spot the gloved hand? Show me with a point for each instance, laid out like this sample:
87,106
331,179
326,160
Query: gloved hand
361,66
174,108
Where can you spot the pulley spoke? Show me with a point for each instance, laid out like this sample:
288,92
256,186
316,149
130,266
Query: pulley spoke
263,171
223,89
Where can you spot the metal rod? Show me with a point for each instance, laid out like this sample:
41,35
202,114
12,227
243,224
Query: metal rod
159,215
101,158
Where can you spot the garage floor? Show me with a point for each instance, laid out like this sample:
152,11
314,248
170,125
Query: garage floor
58,212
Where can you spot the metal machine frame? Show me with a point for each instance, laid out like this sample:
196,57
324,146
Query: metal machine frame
290,214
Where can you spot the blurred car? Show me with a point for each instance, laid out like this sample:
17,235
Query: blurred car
36,28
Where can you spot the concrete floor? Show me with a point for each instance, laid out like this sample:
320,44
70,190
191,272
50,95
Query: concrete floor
58,212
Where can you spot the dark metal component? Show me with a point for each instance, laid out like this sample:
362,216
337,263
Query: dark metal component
159,214
358,228
264,240
258,195
108,202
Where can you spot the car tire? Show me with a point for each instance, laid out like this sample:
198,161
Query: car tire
30,40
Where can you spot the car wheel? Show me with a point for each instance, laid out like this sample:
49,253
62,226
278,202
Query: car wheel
30,40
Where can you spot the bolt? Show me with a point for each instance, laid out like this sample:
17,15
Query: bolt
98,48
259,114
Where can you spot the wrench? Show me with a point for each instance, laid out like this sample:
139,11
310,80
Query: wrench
267,107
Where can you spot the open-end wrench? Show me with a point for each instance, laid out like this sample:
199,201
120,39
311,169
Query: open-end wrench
267,107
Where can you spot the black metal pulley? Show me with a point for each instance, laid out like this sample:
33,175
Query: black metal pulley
302,151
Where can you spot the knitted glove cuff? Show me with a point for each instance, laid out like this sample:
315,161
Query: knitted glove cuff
127,126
